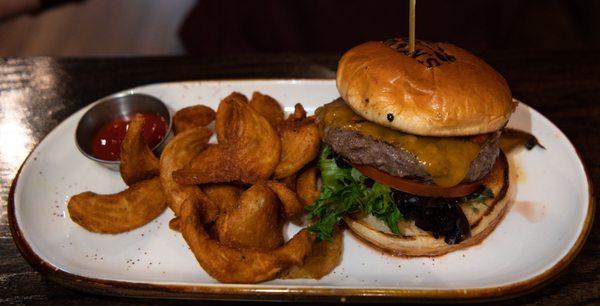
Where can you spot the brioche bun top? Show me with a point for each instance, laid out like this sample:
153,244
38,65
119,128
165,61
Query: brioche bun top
439,90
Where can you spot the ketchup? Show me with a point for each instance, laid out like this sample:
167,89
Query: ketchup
106,144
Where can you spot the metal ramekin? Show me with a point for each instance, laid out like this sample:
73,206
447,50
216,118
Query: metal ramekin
113,107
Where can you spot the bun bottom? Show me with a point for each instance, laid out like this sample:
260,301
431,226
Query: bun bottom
416,242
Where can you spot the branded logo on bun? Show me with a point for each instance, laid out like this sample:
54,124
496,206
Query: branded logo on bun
427,54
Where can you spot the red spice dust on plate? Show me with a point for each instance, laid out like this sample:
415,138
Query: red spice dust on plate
107,141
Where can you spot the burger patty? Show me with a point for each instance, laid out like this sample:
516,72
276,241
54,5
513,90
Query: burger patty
364,150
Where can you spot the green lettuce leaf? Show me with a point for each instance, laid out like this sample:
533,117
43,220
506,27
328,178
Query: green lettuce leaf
344,192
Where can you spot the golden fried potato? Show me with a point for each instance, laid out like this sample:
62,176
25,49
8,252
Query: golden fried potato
119,212
210,209
298,114
175,224
223,195
248,149
254,223
215,164
289,181
268,108
299,145
291,205
191,117
138,163
226,120
231,265
306,186
324,257
177,153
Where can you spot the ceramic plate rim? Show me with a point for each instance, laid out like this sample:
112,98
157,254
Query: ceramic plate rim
279,292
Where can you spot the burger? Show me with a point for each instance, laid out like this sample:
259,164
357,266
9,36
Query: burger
411,161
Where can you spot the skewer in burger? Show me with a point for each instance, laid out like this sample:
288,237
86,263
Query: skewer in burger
411,159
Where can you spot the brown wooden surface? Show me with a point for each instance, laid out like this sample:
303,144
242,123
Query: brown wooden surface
38,93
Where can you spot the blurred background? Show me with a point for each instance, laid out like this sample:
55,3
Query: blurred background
79,28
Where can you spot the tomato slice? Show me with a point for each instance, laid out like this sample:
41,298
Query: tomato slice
417,188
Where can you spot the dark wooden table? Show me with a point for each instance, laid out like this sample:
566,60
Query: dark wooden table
38,93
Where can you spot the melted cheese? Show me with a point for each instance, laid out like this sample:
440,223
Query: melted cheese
447,160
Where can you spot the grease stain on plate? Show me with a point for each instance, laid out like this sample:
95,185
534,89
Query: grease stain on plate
532,211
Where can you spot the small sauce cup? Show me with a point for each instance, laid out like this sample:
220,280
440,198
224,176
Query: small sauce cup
108,109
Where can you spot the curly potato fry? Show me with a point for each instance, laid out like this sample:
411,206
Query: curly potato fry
254,223
120,212
268,108
232,265
236,235
223,195
298,114
178,152
138,163
175,224
300,144
289,181
323,258
226,124
192,117
306,186
248,151
291,205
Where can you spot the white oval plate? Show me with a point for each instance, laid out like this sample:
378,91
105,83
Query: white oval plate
546,226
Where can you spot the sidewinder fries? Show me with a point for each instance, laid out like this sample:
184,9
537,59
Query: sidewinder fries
177,153
232,199
306,186
254,223
291,205
268,107
323,258
137,160
300,143
192,117
223,195
232,265
120,212
289,181
226,123
298,114
248,149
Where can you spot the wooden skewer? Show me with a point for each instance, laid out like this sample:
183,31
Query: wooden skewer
411,27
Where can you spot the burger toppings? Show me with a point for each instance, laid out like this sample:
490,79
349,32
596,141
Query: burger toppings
346,191
441,217
416,187
445,161
512,138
